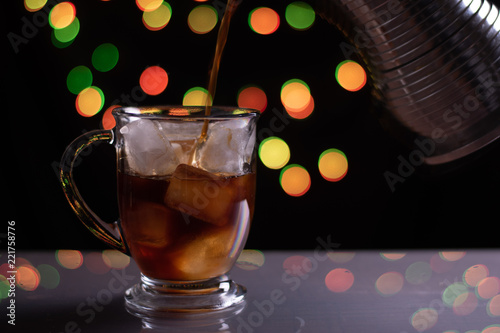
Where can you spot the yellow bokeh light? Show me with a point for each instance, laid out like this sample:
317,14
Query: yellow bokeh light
196,96
34,5
389,283
350,75
452,255
333,165
295,95
62,15
274,152
296,98
295,180
89,101
70,259
250,260
158,18
424,319
202,19
115,259
148,5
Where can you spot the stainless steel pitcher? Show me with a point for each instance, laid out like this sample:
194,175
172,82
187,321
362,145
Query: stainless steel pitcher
434,66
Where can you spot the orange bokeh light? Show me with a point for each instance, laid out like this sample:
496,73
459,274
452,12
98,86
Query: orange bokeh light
153,80
252,97
264,20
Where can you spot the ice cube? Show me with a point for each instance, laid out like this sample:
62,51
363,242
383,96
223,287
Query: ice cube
150,224
206,255
201,194
149,152
228,148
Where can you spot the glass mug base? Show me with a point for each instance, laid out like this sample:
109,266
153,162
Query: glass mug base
159,298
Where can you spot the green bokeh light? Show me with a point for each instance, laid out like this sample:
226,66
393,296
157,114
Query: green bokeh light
49,276
105,57
68,34
78,79
300,15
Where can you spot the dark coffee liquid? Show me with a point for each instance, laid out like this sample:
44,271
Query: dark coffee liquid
185,229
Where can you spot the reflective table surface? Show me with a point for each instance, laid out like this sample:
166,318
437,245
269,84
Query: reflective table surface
288,291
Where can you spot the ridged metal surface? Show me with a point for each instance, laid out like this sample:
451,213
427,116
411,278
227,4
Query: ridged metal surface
434,66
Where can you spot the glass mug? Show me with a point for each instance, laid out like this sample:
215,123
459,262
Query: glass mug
186,194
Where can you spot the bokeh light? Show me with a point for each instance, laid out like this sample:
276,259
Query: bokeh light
488,287
302,113
34,5
68,33
252,97
27,277
70,259
49,276
333,165
452,255
452,292
341,257
89,101
295,180
473,275
392,256
78,79
250,260
424,319
297,265
153,80
418,273
105,57
157,19
4,286
95,263
57,43
263,20
350,75
339,280
493,306
389,283
202,19
465,304
300,15
148,5
196,96
115,259
491,329
296,98
108,121
62,14
274,152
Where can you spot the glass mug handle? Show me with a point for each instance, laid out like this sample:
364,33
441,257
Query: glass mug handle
107,232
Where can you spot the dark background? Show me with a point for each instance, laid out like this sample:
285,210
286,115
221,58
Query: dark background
429,209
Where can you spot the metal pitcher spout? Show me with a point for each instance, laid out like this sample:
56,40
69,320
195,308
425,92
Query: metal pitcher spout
434,67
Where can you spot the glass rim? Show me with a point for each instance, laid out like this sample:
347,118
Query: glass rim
185,112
